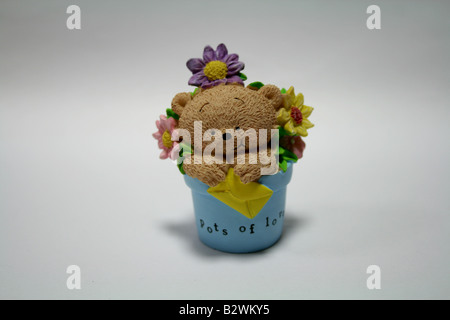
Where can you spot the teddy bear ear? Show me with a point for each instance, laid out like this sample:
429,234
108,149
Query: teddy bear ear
180,101
272,93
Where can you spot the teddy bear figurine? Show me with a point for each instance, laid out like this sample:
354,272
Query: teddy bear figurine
236,146
229,110
231,114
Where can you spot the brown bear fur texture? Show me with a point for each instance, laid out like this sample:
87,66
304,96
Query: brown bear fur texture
223,107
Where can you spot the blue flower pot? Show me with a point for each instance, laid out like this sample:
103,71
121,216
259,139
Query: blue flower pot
223,228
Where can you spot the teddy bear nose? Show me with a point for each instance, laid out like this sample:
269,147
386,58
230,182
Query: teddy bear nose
226,136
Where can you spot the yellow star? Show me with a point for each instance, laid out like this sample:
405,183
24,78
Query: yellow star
248,199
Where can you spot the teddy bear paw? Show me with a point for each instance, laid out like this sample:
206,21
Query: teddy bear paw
248,173
212,174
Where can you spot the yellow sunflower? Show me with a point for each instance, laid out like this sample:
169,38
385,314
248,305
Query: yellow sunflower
293,117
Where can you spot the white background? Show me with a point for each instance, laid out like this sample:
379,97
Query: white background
81,182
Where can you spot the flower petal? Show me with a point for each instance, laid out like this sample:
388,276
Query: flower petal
307,124
206,84
298,100
291,92
235,67
195,65
298,147
158,125
175,136
283,117
175,153
221,52
208,54
157,135
197,79
235,79
300,130
289,126
164,154
165,125
306,111
231,58
209,84
287,101
171,124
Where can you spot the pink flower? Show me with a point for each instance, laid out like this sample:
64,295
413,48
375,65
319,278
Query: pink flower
294,144
166,127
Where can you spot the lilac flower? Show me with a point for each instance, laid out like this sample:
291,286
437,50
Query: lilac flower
215,68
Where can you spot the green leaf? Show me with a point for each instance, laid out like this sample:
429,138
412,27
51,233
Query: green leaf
283,165
171,114
289,155
180,167
184,149
283,91
256,84
194,92
282,132
284,156
242,76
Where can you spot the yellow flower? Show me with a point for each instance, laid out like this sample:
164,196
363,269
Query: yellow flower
293,117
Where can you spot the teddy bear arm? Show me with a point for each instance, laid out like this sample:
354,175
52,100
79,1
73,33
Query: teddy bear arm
211,174
251,172
248,172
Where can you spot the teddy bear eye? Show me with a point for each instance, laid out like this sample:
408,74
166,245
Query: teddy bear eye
239,100
203,107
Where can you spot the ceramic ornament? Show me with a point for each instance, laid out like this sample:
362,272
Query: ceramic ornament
236,146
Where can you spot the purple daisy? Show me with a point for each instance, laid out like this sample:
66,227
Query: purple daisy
215,68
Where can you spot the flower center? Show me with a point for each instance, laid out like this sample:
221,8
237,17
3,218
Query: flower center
167,139
296,114
215,70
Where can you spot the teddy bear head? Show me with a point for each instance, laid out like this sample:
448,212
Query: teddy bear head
227,108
